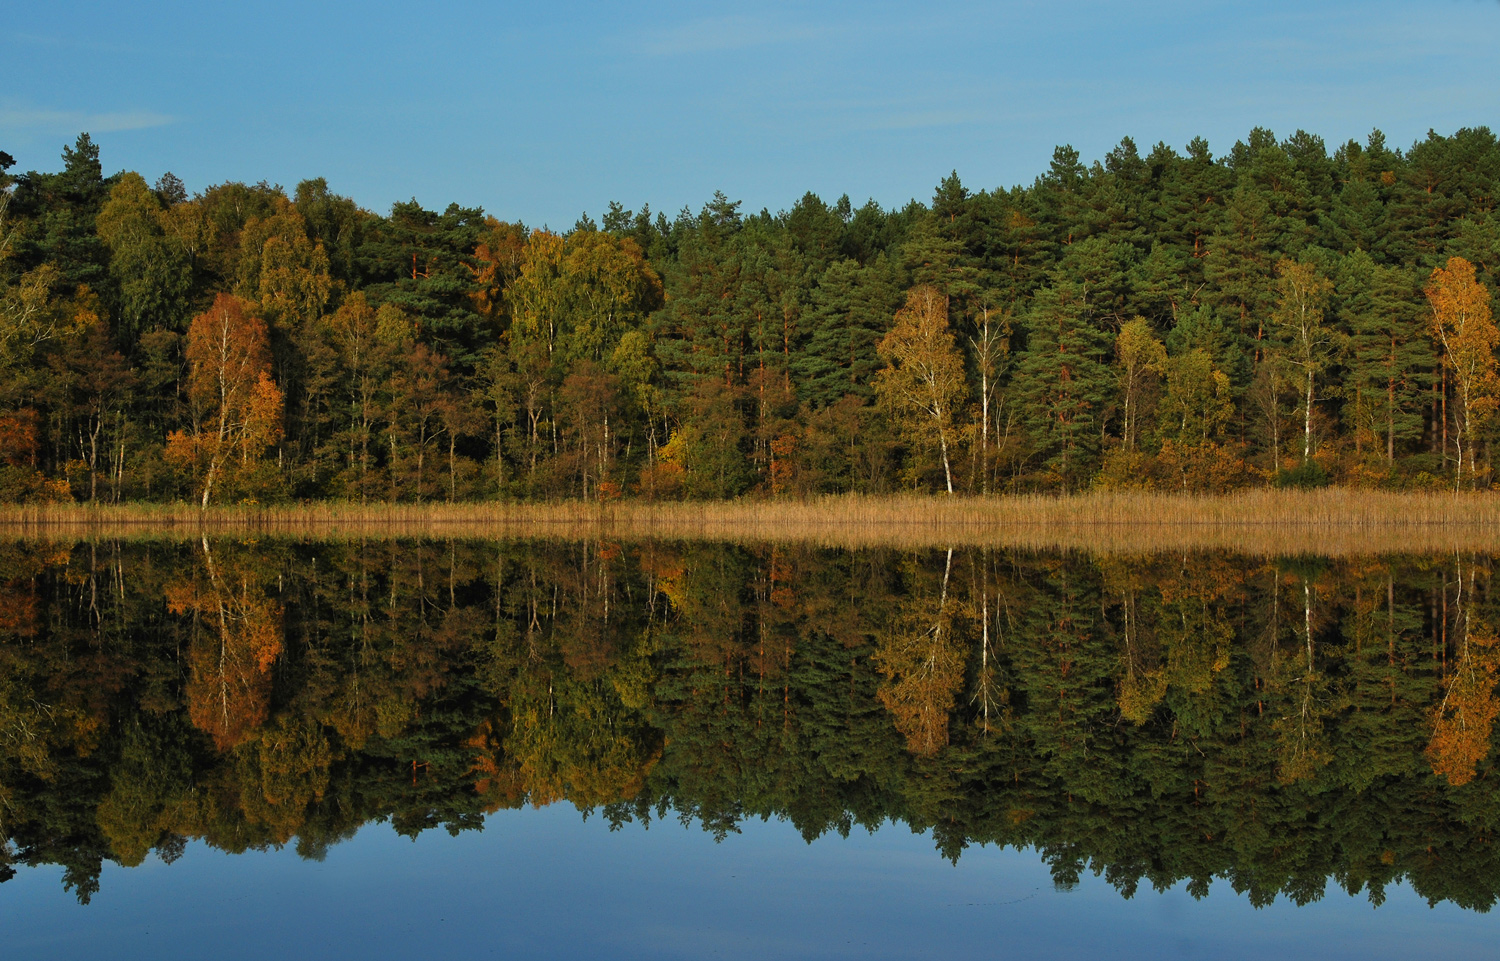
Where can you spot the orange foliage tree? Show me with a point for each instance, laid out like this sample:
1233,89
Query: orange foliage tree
229,681
236,406
1462,326
1463,720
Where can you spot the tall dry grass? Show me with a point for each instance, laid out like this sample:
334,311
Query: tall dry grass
1329,521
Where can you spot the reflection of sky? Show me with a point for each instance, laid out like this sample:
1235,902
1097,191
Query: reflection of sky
543,884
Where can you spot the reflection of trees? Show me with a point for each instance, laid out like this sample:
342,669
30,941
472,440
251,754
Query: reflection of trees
990,696
1176,636
1304,697
238,635
1153,718
1144,681
1463,720
924,669
281,772
575,675
149,799
41,713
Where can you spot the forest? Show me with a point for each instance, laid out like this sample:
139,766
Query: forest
1279,722
1280,315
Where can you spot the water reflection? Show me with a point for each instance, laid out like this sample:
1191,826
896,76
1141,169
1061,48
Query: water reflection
1274,722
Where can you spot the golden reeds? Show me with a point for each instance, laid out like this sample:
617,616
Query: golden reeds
1329,521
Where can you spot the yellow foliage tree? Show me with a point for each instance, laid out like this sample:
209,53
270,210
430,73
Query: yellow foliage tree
1142,358
581,293
283,272
923,383
924,670
1306,344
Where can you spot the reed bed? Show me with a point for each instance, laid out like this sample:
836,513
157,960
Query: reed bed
1328,522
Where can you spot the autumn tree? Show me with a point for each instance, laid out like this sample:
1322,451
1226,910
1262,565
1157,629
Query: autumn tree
579,294
282,271
1306,344
239,637
924,384
612,288
420,414
1465,333
30,315
236,406
1197,403
1141,358
1463,720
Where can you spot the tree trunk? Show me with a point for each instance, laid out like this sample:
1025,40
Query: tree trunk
943,442
94,459
1390,421
1275,429
1307,420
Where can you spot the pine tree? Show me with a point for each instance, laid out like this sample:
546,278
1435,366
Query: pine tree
1063,383
1389,368
62,208
849,313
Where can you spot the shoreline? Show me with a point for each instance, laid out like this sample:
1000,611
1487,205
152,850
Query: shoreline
1324,521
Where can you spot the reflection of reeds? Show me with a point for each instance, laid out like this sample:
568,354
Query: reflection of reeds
1330,521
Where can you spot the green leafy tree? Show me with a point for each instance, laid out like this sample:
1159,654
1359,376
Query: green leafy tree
152,272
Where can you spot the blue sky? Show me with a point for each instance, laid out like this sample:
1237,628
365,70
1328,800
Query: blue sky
537,112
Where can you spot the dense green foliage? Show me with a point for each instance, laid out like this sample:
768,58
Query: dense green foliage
1287,327
1278,723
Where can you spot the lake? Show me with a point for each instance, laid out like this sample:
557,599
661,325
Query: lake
554,748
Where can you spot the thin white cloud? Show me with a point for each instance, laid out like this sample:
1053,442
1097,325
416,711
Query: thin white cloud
72,121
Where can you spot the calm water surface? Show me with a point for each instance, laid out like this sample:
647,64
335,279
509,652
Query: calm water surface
382,749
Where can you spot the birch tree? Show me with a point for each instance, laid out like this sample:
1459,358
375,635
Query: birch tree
1142,359
236,406
1306,344
924,384
1464,331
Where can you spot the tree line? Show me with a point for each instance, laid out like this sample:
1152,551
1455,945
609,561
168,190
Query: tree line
1274,722
1278,315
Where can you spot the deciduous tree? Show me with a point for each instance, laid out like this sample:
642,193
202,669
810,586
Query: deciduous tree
924,385
1465,333
1306,344
236,406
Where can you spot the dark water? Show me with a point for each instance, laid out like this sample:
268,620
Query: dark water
382,749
